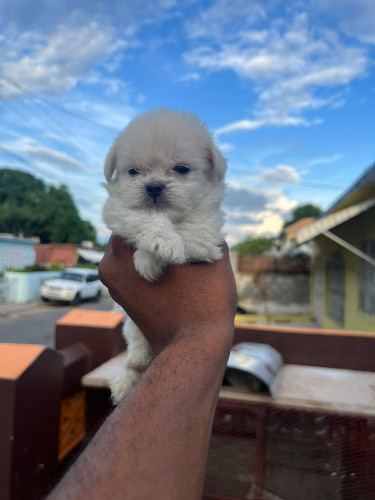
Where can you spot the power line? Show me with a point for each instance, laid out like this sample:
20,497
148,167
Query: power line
17,157
29,164
43,100
52,104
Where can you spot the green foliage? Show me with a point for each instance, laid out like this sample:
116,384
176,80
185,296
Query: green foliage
29,269
302,211
56,267
30,207
87,266
255,246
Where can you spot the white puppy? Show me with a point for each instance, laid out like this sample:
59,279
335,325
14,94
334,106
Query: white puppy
165,184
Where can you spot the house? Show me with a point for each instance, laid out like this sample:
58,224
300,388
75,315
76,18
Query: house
67,254
56,253
16,252
343,266
290,232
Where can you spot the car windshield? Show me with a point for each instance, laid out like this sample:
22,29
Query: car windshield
72,277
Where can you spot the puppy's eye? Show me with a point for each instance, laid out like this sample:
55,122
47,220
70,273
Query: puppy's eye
181,169
133,171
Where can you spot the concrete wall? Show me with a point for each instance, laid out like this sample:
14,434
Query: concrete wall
16,254
355,232
25,287
261,290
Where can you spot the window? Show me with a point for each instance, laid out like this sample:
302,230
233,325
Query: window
336,288
72,277
367,279
92,277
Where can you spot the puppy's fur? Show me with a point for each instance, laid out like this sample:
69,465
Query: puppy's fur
165,184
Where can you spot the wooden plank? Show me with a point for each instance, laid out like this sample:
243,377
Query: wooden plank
97,319
100,377
311,387
16,358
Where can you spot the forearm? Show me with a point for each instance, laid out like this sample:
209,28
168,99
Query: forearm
155,444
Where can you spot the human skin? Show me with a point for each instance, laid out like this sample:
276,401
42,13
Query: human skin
154,445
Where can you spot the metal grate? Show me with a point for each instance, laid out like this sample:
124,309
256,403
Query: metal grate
367,280
336,288
264,452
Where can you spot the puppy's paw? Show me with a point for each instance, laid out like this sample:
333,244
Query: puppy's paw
169,249
147,264
204,252
122,384
215,253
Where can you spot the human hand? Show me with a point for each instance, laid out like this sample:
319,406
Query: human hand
185,298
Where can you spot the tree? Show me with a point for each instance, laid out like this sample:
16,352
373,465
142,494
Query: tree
254,246
30,207
302,211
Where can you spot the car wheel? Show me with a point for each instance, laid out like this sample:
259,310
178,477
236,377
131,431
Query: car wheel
77,299
98,296
44,299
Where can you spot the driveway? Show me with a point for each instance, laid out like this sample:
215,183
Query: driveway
34,323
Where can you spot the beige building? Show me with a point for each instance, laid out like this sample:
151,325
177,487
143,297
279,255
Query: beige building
343,266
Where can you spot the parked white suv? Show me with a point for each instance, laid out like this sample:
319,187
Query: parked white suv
73,285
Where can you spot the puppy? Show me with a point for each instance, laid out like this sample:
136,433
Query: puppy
166,183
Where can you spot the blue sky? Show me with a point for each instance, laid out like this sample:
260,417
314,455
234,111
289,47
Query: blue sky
287,88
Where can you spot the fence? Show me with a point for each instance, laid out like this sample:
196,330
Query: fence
269,452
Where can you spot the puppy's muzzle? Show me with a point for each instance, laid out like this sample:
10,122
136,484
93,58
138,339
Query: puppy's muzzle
154,191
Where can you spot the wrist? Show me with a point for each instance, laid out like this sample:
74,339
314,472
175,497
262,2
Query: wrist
212,338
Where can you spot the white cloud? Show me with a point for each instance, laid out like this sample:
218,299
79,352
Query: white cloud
225,146
255,211
55,62
290,64
190,77
223,18
270,224
255,124
281,204
48,156
356,18
114,116
244,199
284,174
324,160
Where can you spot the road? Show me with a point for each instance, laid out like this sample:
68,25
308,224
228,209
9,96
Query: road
36,324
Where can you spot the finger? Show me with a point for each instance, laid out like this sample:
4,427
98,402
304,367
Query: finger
120,247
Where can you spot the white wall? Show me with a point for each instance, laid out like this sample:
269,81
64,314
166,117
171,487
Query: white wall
25,287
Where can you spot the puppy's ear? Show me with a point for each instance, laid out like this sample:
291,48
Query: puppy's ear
217,162
110,164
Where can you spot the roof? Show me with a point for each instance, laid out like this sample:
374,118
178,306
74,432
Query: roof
332,220
11,238
362,189
358,198
299,224
90,255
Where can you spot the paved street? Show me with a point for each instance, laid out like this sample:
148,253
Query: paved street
35,323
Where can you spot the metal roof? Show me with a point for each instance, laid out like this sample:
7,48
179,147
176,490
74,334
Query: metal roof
362,189
90,255
331,220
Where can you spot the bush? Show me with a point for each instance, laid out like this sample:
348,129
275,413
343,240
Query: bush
29,269
56,267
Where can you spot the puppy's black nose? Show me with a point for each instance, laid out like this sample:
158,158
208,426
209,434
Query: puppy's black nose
154,190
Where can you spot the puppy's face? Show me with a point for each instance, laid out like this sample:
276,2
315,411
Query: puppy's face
163,161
